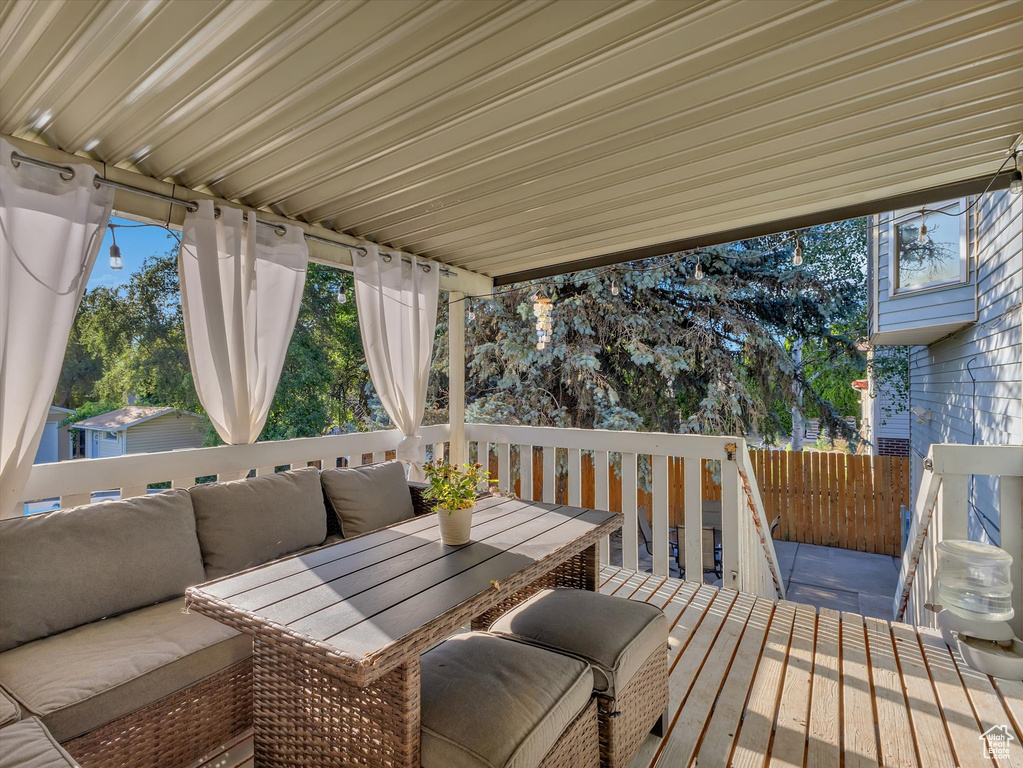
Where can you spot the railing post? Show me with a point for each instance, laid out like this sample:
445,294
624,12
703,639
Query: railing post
659,517
630,537
730,511
1010,503
575,477
456,378
953,502
526,472
550,474
693,511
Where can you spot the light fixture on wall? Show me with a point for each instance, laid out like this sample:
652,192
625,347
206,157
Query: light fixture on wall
922,414
115,252
1016,183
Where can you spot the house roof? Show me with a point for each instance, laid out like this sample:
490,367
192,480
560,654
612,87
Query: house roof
510,138
128,417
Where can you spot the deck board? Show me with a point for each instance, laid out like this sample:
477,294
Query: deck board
754,684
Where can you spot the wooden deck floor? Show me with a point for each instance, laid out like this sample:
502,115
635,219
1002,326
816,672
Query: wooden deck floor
757,684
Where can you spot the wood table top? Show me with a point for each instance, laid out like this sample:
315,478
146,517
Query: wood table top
362,597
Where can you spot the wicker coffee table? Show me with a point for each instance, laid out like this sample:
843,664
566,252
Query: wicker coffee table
337,631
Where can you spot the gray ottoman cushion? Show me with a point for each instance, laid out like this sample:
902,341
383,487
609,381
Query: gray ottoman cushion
613,634
66,568
490,703
10,712
29,745
367,498
243,523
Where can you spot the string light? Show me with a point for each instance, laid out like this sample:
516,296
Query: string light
470,313
923,225
698,274
342,297
1016,184
542,307
797,253
115,252
614,287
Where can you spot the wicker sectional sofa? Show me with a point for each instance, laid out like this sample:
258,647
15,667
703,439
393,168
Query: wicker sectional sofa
94,640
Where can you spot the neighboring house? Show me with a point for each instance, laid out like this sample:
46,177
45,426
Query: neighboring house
140,429
955,296
884,412
55,444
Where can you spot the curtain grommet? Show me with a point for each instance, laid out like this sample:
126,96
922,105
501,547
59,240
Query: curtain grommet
386,257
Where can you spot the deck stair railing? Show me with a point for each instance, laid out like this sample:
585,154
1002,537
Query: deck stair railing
941,512
749,562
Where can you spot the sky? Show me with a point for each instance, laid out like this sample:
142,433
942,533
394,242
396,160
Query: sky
136,243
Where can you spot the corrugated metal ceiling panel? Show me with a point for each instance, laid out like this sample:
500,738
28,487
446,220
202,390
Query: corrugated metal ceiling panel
502,136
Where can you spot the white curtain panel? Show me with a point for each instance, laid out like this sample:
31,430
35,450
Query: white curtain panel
241,286
50,232
397,304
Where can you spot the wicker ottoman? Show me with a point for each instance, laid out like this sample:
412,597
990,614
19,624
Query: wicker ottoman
488,703
626,645
27,744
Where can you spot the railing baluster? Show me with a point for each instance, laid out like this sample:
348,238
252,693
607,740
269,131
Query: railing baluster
504,467
630,536
526,472
694,519
183,482
260,471
549,473
575,477
601,496
730,512
75,500
130,491
659,518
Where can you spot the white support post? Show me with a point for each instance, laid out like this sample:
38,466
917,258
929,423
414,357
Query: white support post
504,467
456,378
659,517
601,496
730,525
550,477
526,472
630,536
575,477
953,503
1010,504
693,469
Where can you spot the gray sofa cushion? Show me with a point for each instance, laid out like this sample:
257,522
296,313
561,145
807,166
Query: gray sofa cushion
491,703
29,745
612,634
10,712
69,567
81,679
243,523
367,498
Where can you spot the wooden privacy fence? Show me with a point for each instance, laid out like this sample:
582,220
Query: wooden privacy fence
832,499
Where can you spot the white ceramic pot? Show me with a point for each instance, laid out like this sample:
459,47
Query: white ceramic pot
455,525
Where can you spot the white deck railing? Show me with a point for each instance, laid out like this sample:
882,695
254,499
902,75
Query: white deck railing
747,553
941,512
74,482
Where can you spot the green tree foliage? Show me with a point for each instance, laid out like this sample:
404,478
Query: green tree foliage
677,354
129,341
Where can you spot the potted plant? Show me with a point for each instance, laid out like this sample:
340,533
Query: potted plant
455,489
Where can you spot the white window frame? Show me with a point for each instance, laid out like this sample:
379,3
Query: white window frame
110,435
900,217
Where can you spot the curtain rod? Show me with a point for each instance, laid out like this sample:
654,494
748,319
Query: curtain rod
67,173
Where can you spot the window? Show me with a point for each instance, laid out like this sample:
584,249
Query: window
109,435
937,258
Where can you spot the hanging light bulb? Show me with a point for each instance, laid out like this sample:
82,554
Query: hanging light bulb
115,252
1016,183
698,274
923,226
471,314
797,254
342,297
614,287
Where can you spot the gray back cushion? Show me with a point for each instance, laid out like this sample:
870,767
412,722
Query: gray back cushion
367,498
66,568
249,522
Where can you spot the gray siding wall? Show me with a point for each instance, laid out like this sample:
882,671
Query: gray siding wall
990,411
166,433
912,310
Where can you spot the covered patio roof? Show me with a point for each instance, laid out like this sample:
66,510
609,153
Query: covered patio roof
518,139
